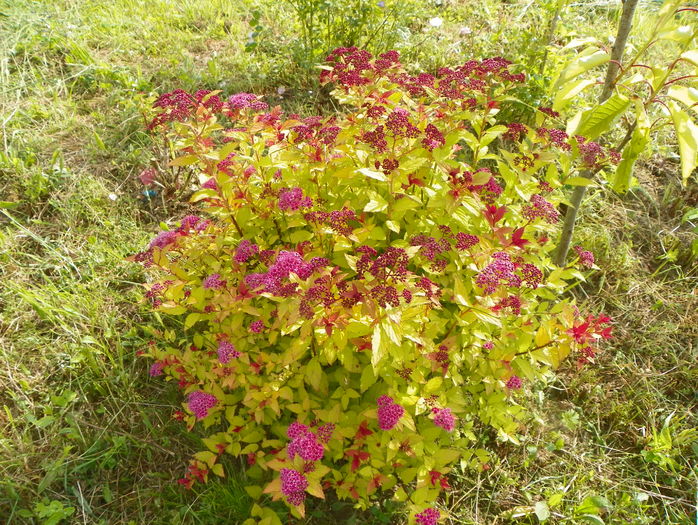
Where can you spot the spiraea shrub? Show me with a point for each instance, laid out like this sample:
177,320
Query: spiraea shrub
361,292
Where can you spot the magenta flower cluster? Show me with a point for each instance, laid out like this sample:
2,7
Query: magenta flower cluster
444,418
540,208
227,351
163,239
200,403
246,101
213,282
286,263
156,369
305,444
292,199
429,516
514,383
245,251
293,485
389,412
499,272
586,258
257,326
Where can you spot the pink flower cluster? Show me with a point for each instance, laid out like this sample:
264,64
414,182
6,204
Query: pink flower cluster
514,383
540,208
556,137
179,105
444,418
399,124
163,239
389,412
392,263
200,403
465,241
245,251
292,199
430,247
500,272
246,100
286,263
503,272
213,282
513,302
594,155
434,138
257,326
586,258
514,131
156,369
227,351
429,516
293,485
336,220
349,63
303,443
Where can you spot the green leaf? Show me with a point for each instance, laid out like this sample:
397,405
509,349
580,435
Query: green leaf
7,204
631,152
686,95
579,181
599,119
565,95
541,510
687,136
433,384
313,373
691,56
373,174
586,60
376,203
680,34
555,499
254,491
378,346
185,160
368,378
591,518
191,320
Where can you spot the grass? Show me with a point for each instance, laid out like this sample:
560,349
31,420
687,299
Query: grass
87,437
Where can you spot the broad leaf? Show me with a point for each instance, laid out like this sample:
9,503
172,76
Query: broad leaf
638,143
569,91
687,136
586,60
599,119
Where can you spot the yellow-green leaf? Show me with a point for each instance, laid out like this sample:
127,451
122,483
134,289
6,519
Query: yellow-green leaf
599,119
637,144
433,384
687,136
570,90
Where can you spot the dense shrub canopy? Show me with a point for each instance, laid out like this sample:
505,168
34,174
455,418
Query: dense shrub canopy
362,289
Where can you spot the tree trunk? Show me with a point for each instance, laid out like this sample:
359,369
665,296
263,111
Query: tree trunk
624,26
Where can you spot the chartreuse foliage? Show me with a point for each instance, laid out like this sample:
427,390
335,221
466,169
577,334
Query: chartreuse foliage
362,288
651,92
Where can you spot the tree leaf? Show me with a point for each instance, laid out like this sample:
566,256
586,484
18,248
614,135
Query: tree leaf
565,95
686,95
687,136
373,174
579,181
691,56
599,119
586,60
631,152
